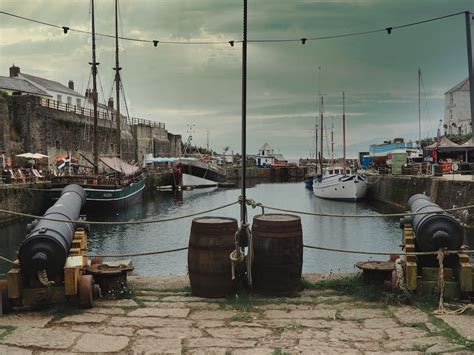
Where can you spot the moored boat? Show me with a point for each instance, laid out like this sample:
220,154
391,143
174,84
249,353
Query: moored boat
338,183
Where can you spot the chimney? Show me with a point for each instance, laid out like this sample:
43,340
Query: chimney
110,103
14,71
71,84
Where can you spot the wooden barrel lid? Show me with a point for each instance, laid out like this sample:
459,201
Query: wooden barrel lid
214,220
276,217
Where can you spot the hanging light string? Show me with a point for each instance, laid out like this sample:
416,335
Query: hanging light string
303,40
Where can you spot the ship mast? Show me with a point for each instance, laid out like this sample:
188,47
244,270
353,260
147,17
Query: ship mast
117,84
321,122
94,95
343,132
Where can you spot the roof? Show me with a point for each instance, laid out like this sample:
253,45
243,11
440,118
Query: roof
265,147
469,143
50,85
462,86
17,84
444,142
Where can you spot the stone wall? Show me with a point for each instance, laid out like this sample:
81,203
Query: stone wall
396,190
29,127
21,199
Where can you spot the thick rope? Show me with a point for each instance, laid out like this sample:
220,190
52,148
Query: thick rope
118,222
43,278
441,287
6,260
137,254
400,275
236,256
366,215
465,251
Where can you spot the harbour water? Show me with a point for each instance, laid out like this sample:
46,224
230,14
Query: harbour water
369,234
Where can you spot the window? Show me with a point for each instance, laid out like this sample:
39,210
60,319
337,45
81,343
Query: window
58,146
78,102
69,100
451,98
59,97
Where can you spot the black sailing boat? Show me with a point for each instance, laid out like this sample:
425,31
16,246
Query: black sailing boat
125,184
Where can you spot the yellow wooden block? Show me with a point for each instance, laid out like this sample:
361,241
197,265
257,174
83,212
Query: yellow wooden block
75,251
76,243
411,276
465,277
14,283
71,276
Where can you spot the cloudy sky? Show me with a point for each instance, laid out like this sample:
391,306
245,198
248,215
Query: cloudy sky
197,84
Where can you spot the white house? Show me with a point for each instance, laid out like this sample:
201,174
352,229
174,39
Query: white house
266,157
457,109
59,92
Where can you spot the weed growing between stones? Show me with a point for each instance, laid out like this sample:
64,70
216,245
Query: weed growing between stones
6,329
278,351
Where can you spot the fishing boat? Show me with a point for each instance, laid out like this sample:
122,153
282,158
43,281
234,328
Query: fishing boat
380,153
121,184
339,183
200,173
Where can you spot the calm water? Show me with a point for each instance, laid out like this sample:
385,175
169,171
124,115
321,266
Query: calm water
377,234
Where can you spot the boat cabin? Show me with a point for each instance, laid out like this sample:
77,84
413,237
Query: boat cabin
336,170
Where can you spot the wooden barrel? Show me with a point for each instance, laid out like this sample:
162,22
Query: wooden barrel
278,254
210,244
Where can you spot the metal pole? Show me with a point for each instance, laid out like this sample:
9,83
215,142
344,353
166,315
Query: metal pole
344,131
117,85
243,214
469,65
94,96
419,107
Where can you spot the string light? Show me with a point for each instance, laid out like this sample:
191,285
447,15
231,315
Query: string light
303,40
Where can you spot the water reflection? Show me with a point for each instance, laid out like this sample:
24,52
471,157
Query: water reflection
374,234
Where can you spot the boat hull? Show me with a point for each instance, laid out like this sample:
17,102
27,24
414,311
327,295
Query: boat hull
200,170
343,188
106,199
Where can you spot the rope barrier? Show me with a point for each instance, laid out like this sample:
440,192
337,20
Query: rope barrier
441,287
6,260
138,254
462,251
408,214
118,222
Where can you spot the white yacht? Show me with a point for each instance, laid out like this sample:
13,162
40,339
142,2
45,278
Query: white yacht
338,183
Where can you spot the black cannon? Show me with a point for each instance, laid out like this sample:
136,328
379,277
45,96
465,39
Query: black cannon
46,247
433,230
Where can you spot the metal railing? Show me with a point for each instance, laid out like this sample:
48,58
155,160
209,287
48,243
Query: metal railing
101,113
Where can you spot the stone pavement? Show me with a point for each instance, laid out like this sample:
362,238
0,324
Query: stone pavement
158,321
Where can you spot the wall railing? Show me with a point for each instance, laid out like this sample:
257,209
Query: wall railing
101,113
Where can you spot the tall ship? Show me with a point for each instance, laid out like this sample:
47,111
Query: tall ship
338,182
119,184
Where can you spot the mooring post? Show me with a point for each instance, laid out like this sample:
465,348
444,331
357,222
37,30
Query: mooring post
243,210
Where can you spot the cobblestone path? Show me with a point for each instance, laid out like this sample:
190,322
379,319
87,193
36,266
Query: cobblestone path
160,321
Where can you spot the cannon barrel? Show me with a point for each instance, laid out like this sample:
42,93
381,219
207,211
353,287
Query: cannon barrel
47,246
434,230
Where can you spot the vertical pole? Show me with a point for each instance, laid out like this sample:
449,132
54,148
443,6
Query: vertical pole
344,132
321,122
419,107
94,96
469,65
243,214
117,85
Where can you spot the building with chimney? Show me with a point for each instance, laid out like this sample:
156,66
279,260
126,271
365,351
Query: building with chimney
52,90
457,109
